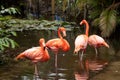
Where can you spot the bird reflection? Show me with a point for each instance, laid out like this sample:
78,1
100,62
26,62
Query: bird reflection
83,68
82,71
97,64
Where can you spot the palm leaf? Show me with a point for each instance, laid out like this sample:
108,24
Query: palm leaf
107,22
95,22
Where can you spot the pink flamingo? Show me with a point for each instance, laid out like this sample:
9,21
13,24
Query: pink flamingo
36,54
97,41
58,43
82,40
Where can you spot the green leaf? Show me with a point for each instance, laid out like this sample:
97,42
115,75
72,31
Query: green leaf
1,47
6,42
107,22
13,33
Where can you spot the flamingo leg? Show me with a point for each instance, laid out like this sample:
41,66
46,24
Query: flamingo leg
81,56
96,52
36,71
56,60
56,57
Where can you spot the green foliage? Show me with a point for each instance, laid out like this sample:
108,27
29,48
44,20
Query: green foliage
107,22
20,25
103,14
5,41
10,10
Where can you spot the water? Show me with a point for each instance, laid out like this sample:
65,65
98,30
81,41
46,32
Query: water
69,66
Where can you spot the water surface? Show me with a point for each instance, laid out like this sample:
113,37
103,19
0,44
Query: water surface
69,66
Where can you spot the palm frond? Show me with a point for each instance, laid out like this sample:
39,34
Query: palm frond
107,22
95,22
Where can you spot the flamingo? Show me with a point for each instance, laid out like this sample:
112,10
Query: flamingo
97,41
58,43
82,40
36,54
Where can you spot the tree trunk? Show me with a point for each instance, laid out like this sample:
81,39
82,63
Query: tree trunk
53,8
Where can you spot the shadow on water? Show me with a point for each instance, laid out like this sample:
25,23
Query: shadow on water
69,67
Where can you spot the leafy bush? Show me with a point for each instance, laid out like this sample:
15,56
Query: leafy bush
6,41
10,10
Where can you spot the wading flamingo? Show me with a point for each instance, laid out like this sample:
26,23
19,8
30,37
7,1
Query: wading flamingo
82,40
97,41
36,54
58,44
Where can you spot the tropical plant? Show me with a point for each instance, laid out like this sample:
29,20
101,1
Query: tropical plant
10,11
107,18
102,13
6,41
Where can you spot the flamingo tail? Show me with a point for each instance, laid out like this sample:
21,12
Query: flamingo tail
20,56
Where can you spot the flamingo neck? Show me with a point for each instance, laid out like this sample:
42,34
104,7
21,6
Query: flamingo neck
87,28
59,34
42,47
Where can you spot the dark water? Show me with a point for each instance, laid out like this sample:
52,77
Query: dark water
69,66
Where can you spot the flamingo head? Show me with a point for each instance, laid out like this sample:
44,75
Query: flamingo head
82,22
105,44
63,30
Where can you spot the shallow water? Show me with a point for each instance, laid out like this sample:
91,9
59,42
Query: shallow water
69,66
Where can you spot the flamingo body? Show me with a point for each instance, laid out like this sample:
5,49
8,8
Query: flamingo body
36,54
80,43
58,44
82,40
97,41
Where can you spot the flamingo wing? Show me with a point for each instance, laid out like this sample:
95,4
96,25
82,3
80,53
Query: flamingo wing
34,53
65,45
54,44
97,41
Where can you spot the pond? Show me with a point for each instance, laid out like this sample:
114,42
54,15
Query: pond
104,67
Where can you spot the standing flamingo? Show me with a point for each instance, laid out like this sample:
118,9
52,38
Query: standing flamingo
36,54
58,44
97,41
82,40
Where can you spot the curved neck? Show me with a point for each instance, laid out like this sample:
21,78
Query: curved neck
87,28
42,45
59,34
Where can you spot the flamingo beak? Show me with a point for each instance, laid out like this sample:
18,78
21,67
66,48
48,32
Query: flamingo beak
81,23
64,33
75,51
